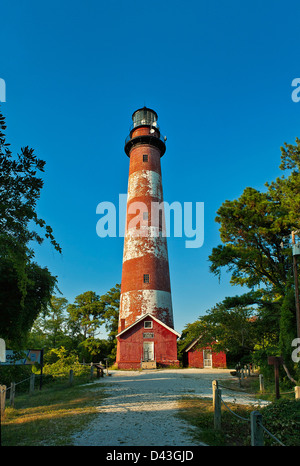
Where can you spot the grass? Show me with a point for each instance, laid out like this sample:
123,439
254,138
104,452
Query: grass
199,413
281,418
50,416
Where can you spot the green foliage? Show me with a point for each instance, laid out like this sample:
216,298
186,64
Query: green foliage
15,373
111,301
255,231
287,325
25,288
61,362
234,326
19,312
282,419
252,228
77,326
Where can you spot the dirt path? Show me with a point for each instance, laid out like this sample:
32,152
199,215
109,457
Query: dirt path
141,407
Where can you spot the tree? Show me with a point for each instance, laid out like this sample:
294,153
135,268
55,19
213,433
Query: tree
255,230
252,230
25,288
16,318
111,301
229,326
50,324
87,311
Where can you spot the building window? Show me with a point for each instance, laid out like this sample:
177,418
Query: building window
160,220
146,278
145,157
148,324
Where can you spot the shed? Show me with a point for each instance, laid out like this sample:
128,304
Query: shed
196,356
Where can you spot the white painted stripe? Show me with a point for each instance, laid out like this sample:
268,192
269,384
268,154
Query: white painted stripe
144,182
139,246
151,302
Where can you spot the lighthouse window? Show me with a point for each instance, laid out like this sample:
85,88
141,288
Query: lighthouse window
146,278
145,157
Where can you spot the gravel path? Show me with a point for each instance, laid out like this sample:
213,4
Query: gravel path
141,406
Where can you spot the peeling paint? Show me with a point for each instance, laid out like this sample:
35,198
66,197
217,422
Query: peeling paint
145,183
151,243
134,304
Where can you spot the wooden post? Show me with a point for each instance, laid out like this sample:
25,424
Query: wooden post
2,400
92,371
276,361
297,393
42,365
71,377
31,384
216,404
261,383
12,394
257,435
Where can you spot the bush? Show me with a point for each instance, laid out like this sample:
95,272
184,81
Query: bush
282,419
63,364
15,373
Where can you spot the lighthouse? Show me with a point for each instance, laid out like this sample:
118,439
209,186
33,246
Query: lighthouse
146,335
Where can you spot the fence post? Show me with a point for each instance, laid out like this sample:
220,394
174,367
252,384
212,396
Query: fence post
261,383
297,393
31,384
257,437
71,377
92,371
2,399
12,394
216,405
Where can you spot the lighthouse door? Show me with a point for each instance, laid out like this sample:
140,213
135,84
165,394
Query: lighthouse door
148,350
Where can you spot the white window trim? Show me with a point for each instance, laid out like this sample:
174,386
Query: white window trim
148,322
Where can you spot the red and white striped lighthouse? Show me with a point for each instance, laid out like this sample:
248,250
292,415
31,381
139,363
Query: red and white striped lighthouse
146,330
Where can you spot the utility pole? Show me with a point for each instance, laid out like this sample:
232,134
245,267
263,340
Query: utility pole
296,252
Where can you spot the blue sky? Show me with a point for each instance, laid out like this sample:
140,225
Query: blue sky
217,73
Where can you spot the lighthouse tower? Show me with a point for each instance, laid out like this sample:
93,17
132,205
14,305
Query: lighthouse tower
146,335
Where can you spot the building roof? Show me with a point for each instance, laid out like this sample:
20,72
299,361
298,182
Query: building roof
191,345
152,317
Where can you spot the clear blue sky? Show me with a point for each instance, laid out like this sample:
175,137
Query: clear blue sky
219,76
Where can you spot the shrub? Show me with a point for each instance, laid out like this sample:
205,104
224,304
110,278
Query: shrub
282,419
64,362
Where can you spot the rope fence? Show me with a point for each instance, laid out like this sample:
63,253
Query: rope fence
256,425
70,374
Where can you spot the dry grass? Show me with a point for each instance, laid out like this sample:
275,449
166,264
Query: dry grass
50,416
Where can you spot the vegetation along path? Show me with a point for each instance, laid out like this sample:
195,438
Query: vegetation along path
141,407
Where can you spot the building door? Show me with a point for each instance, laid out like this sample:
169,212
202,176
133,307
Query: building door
148,350
207,358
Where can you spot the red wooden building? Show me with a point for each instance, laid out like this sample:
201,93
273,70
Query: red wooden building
148,340
197,356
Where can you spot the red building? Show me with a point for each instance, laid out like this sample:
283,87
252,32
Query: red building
147,340
145,285
195,356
